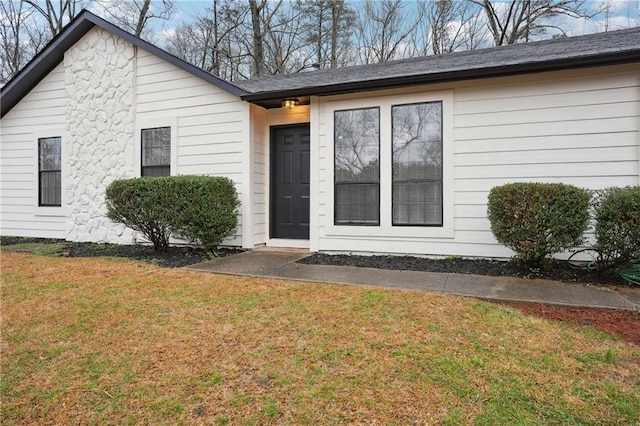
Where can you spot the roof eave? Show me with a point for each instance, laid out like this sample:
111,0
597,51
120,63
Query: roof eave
53,54
615,58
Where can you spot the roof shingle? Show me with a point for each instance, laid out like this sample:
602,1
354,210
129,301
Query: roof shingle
589,50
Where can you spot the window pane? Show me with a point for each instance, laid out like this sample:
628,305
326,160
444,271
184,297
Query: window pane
49,153
49,171
417,203
357,166
156,146
156,151
417,164
357,203
156,171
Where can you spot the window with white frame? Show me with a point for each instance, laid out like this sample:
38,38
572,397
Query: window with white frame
417,164
50,171
156,151
357,166
392,168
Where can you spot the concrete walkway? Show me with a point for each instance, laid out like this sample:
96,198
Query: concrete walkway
281,263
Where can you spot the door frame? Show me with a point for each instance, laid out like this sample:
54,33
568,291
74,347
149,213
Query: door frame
274,241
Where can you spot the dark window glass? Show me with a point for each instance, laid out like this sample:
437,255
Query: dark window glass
49,172
417,164
357,166
156,151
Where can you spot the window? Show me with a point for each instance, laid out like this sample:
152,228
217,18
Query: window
49,172
357,166
417,164
156,151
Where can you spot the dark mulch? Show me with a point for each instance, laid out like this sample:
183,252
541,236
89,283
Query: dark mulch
557,270
175,257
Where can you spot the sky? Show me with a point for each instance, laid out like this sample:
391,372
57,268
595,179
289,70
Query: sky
623,14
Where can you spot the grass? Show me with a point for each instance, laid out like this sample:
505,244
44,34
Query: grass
104,341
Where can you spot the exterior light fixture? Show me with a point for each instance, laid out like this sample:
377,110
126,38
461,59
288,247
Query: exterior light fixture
289,103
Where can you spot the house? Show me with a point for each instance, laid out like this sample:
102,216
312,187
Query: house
396,157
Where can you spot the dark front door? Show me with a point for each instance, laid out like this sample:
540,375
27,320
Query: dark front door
290,182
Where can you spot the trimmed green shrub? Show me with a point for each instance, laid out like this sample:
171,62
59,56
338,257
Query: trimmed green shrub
537,220
208,214
142,205
617,224
200,209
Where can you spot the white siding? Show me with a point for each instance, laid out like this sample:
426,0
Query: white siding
212,134
577,127
43,108
260,142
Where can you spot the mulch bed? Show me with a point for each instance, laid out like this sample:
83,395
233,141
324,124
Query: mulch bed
558,270
175,257
624,324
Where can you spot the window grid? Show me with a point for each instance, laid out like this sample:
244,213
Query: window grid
417,164
50,172
357,167
156,152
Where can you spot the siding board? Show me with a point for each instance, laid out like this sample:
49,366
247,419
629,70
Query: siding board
43,107
524,103
579,127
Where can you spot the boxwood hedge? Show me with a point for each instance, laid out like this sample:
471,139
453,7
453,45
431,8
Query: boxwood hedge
200,209
537,220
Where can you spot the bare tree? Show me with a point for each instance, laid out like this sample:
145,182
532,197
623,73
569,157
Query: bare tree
211,41
134,15
517,20
27,26
285,45
451,25
327,29
384,29
57,14
12,52
257,51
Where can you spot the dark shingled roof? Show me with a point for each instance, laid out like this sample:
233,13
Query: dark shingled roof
53,54
615,47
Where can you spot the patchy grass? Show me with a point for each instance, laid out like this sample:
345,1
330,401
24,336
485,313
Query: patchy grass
103,341
40,248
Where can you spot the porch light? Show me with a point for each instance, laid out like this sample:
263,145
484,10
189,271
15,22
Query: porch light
289,103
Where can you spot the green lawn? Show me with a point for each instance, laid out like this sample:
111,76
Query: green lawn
104,341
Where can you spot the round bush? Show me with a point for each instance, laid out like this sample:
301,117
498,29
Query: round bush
205,209
201,209
537,220
617,224
141,205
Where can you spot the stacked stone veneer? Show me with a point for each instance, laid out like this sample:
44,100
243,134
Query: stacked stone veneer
99,143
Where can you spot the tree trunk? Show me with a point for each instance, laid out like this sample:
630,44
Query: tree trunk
142,18
258,39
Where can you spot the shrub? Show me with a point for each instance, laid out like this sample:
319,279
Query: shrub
208,214
617,224
143,206
537,220
201,209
